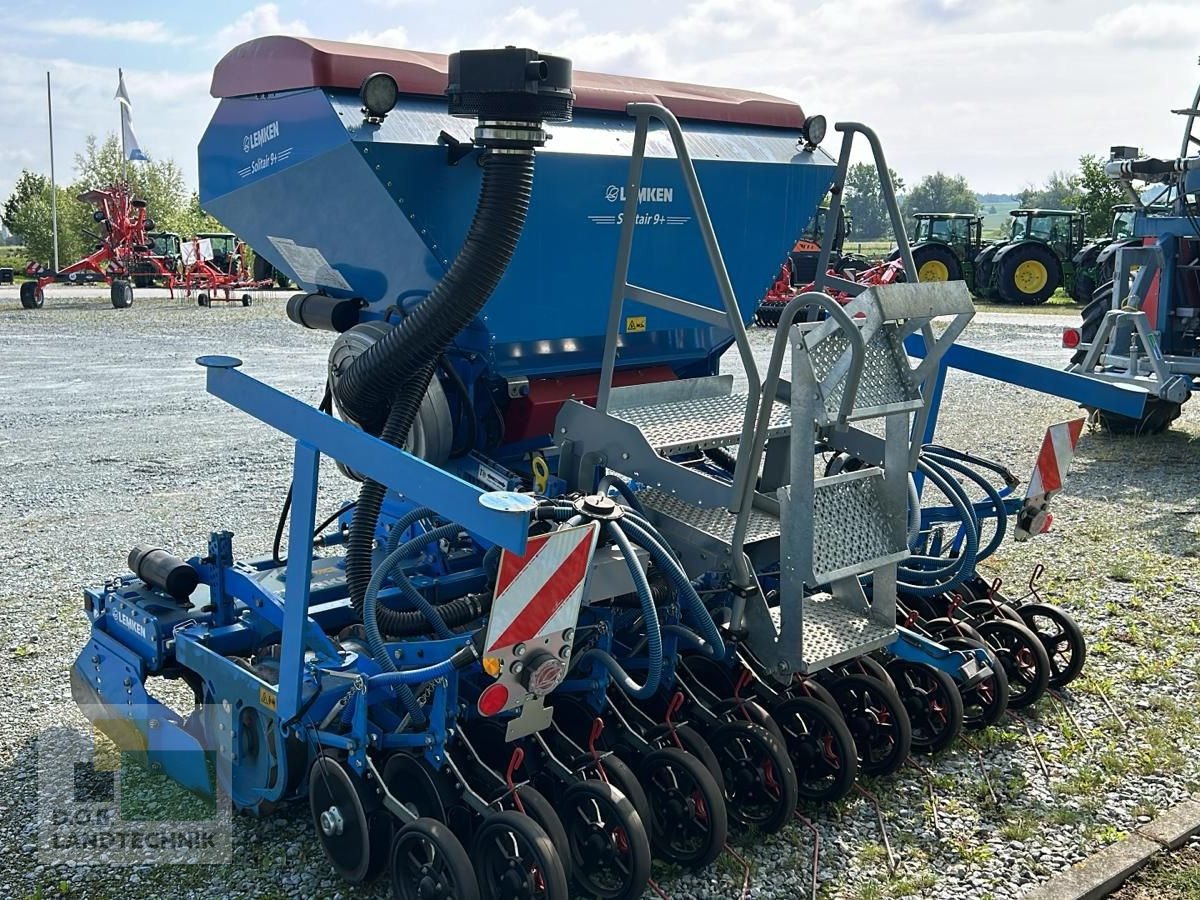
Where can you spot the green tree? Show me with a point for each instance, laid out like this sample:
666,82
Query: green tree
159,182
1097,195
863,201
27,213
940,192
1061,191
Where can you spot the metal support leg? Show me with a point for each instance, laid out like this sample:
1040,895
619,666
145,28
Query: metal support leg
299,577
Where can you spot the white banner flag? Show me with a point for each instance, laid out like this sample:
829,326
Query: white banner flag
129,141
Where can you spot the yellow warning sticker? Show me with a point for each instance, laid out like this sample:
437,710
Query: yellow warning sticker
635,323
266,697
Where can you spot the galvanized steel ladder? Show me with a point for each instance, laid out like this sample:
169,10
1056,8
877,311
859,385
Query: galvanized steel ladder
835,529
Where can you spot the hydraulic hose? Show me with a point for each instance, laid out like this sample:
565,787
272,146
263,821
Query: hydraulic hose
993,496
648,540
384,386
406,521
950,575
371,601
625,682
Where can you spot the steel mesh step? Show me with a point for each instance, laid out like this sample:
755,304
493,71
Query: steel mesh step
716,522
852,530
697,424
886,380
833,633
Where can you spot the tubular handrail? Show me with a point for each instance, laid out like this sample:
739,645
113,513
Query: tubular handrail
622,288
771,386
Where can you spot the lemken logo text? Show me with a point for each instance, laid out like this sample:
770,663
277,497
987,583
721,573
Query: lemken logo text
613,193
129,622
261,136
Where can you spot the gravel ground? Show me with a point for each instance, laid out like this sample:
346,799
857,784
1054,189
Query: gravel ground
107,438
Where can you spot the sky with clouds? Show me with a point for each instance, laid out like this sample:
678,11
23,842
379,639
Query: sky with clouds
1002,91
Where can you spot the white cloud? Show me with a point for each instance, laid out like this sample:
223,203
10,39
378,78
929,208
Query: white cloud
142,31
389,37
261,20
1151,25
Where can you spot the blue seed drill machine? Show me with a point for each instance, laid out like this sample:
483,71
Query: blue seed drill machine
595,601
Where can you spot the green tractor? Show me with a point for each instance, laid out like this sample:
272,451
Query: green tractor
1095,261
1035,260
944,246
165,246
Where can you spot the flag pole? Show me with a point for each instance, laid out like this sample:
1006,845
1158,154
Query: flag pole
53,186
120,114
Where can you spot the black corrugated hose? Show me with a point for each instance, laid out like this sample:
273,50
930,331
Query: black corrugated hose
383,388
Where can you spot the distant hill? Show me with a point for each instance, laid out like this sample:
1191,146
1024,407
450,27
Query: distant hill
995,209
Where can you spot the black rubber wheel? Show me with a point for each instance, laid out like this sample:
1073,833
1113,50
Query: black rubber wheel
944,627
877,720
1157,416
247,299
1091,316
760,781
121,294
202,300
1029,274
688,824
32,295
618,773
262,270
936,262
418,786
515,860
542,811
984,265
984,703
1062,638
608,847
821,748
868,665
427,860
1024,658
988,610
692,742
805,686
932,701
352,828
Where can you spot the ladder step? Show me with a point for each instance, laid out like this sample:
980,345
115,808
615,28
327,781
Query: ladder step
716,522
834,633
886,384
851,534
697,424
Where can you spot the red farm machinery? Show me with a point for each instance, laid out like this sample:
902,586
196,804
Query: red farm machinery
122,249
215,267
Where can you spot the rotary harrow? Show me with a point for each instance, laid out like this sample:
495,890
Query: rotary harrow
592,605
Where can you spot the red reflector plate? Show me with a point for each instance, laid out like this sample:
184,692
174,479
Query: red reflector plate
1071,338
493,699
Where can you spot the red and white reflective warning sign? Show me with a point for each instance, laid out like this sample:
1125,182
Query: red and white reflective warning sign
1049,475
540,592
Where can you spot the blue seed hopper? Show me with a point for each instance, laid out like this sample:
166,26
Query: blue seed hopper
377,209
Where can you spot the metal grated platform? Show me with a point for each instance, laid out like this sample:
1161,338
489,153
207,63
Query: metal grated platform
698,424
851,532
832,633
715,522
885,377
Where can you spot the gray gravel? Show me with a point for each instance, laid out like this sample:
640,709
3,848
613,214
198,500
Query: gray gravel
107,438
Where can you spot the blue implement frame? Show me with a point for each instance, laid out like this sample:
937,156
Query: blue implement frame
488,515
1126,400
